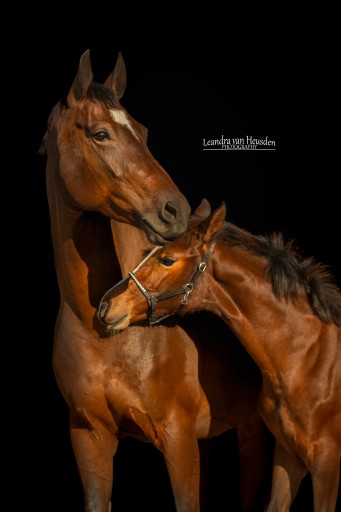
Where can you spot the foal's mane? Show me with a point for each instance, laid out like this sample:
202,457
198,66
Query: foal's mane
289,272
95,92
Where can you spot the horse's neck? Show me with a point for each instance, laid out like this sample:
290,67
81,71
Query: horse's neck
130,242
85,260
240,293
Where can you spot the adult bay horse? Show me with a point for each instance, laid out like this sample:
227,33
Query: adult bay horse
285,310
101,182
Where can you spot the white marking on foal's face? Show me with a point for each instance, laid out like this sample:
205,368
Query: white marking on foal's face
120,117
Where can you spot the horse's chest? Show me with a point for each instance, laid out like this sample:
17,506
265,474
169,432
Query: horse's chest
85,376
106,384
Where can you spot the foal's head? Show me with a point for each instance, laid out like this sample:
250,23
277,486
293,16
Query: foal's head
97,155
176,267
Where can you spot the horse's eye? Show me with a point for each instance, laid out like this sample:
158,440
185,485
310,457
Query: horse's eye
166,261
101,135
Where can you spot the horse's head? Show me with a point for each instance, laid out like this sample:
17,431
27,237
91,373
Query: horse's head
103,161
167,279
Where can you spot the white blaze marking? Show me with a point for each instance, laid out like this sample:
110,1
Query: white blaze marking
120,117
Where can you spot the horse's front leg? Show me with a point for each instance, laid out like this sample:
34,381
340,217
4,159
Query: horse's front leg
287,475
255,447
325,475
180,449
94,450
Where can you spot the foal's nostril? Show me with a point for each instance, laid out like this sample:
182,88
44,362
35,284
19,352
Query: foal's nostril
103,310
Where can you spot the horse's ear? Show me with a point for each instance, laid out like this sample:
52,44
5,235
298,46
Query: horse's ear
117,80
203,210
209,228
83,79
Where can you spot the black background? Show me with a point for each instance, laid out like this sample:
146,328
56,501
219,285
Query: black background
234,74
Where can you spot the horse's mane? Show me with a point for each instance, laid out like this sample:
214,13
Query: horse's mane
95,92
288,271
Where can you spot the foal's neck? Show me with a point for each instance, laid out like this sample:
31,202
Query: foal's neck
270,329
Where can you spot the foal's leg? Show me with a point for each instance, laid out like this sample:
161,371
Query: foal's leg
94,451
180,449
325,475
287,475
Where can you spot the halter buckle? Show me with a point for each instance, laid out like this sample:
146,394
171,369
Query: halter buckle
202,266
188,289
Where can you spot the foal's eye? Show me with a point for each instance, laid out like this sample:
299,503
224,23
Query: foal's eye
166,261
101,135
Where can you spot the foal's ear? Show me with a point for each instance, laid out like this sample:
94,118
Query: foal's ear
209,228
83,79
117,79
203,210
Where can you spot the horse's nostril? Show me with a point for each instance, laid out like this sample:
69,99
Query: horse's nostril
171,209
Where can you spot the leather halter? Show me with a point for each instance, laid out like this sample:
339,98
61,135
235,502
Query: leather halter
152,301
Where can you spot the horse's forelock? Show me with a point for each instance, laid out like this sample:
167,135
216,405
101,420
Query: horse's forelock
98,92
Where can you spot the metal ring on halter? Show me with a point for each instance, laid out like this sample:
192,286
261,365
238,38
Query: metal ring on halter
188,290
